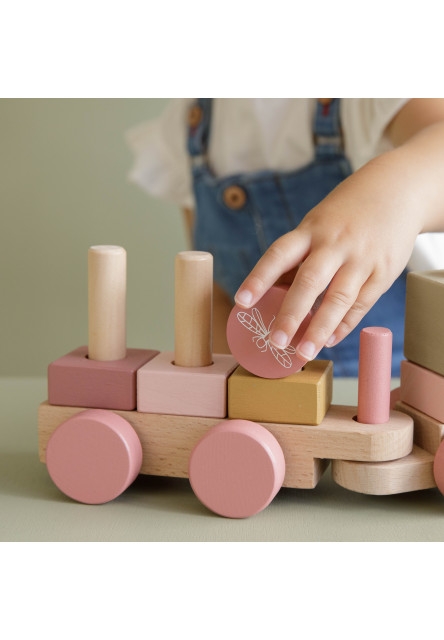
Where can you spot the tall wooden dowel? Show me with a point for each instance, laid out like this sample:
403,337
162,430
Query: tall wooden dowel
375,367
106,303
193,314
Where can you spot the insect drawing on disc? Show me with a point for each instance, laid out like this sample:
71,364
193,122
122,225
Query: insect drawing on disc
255,324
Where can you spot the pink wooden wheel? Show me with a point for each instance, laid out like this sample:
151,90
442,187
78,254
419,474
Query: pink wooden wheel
248,333
438,467
94,456
237,468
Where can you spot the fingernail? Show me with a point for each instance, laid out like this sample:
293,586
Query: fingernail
279,339
243,297
330,341
307,349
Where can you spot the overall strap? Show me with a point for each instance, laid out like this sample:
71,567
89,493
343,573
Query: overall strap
327,130
199,120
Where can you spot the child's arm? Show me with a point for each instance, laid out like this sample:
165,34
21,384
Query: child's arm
360,237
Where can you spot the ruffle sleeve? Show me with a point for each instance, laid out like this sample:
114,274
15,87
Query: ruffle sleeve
161,165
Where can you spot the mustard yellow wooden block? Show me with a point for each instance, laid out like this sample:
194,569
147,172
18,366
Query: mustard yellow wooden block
301,398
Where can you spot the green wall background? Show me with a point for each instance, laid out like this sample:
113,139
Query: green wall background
63,188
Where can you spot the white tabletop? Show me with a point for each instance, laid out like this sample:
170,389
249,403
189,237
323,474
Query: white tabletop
165,509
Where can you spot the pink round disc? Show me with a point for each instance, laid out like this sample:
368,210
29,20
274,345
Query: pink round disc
237,468
248,333
94,456
438,467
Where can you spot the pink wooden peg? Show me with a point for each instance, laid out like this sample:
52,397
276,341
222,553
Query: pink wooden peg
375,362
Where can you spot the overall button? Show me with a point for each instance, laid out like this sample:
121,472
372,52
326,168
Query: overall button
195,116
234,197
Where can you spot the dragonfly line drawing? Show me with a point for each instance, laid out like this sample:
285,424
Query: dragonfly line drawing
256,325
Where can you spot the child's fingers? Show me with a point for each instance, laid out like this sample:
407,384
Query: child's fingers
282,256
368,296
339,298
310,281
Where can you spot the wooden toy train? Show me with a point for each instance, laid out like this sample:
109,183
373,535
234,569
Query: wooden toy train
114,412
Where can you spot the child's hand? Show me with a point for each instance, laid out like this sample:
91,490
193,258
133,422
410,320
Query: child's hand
355,243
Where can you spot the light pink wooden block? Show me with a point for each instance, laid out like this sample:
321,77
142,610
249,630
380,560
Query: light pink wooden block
163,387
248,338
94,456
76,381
375,365
237,468
422,389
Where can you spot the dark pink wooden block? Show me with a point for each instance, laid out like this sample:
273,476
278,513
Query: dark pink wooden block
76,381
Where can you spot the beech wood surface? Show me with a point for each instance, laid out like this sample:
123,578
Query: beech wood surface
411,473
428,432
167,441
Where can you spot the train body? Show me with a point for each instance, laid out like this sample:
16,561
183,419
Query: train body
236,435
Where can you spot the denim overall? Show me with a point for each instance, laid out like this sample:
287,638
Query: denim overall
240,216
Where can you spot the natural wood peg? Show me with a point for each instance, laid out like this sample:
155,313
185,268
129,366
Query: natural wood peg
106,303
193,308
